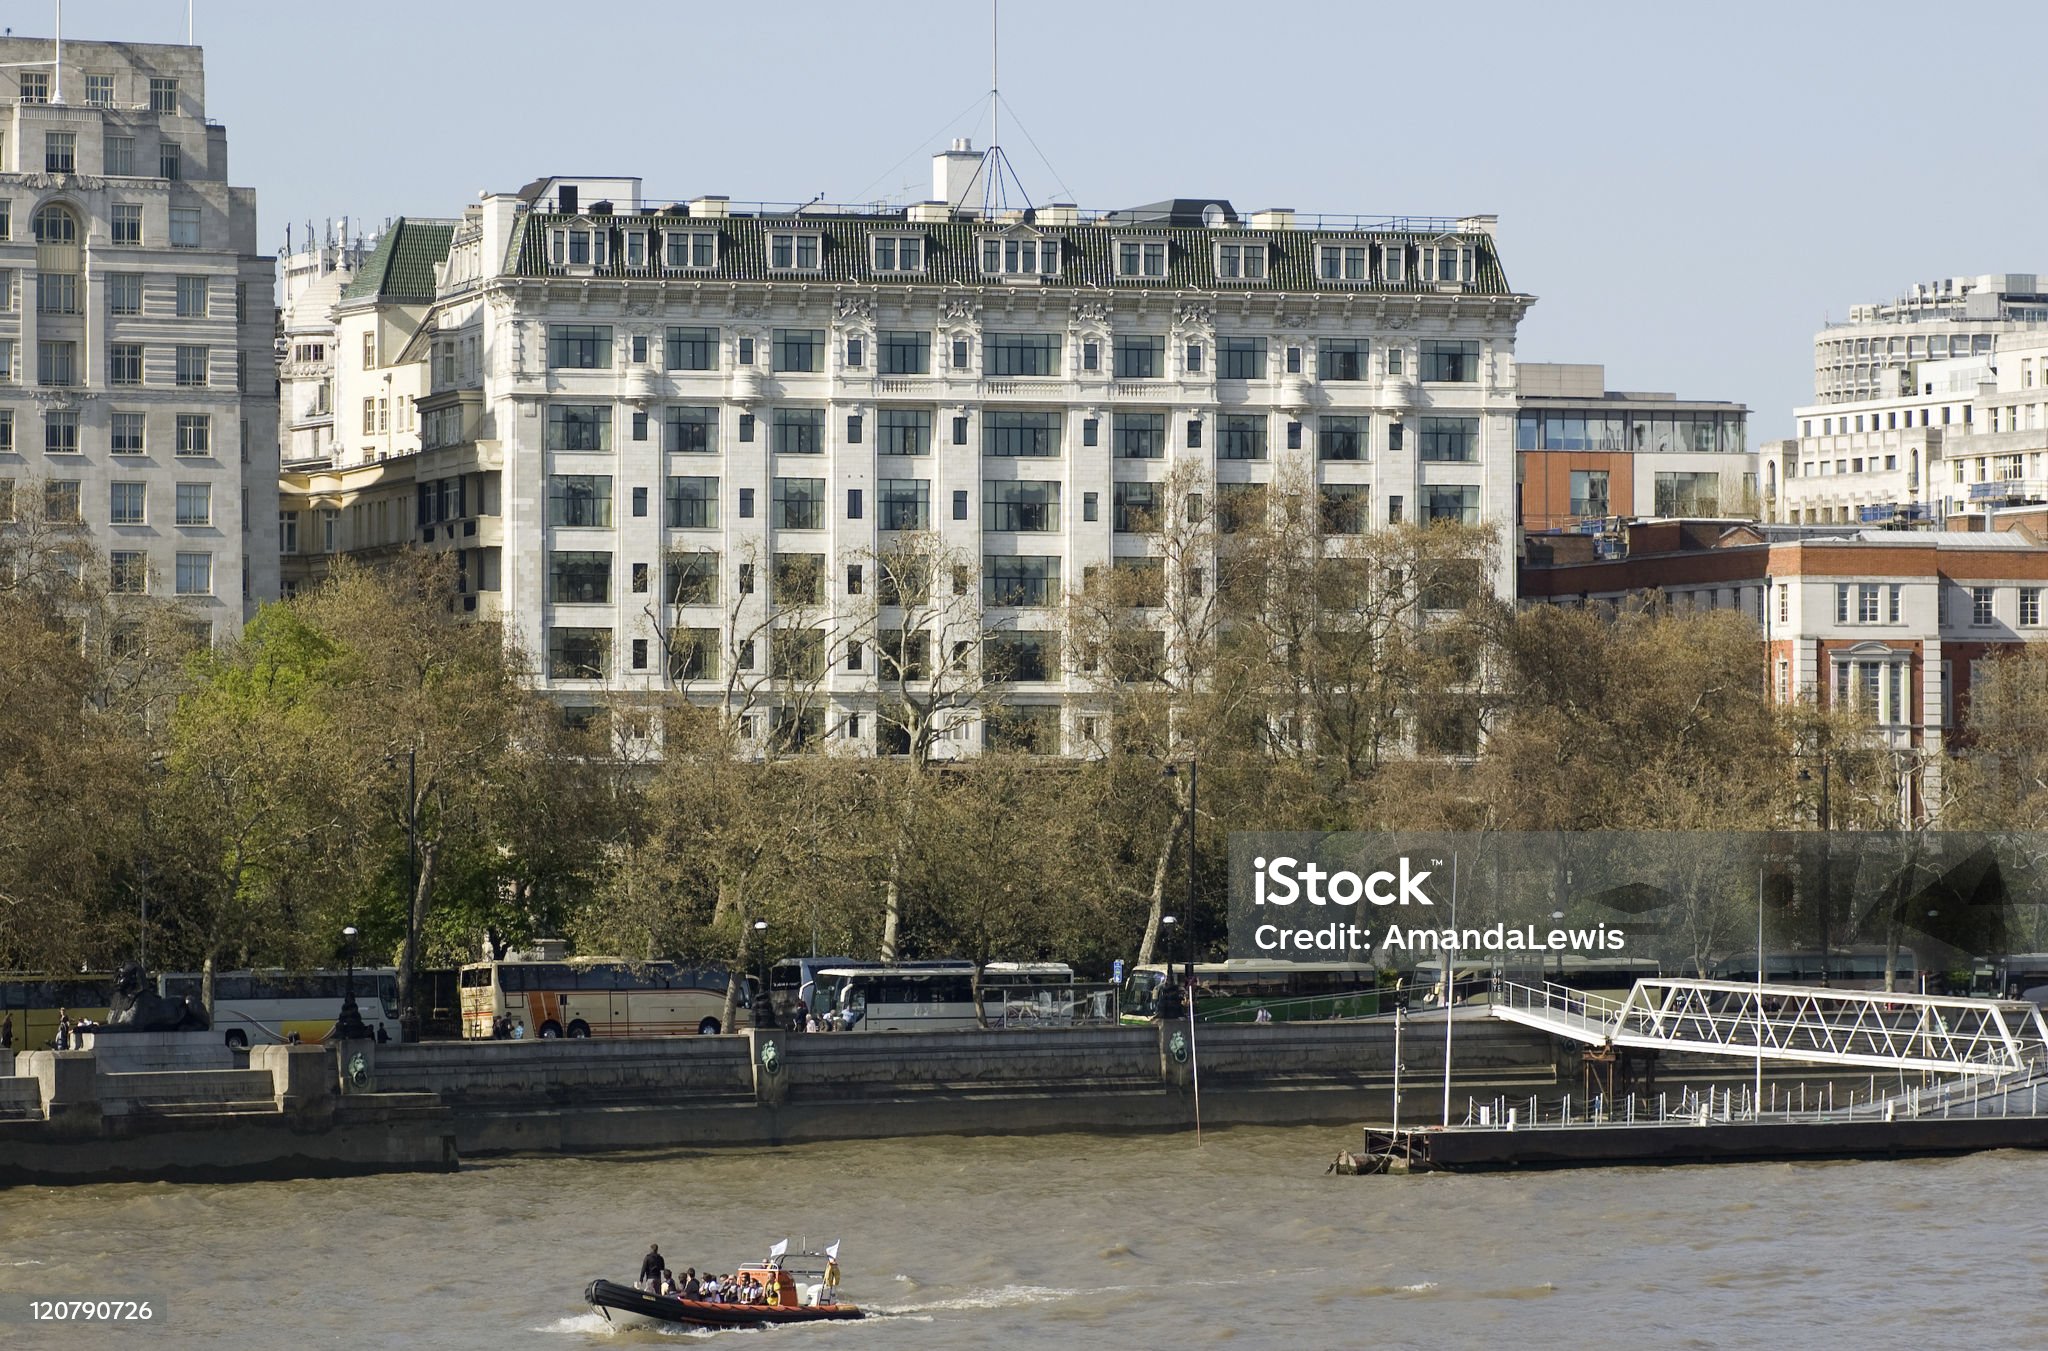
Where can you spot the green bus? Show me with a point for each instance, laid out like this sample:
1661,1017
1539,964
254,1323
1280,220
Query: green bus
1237,991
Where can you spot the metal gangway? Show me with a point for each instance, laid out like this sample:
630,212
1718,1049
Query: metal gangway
1868,1029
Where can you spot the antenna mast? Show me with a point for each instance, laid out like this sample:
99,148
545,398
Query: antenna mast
995,74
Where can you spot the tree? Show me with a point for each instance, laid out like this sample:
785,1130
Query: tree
427,707
934,668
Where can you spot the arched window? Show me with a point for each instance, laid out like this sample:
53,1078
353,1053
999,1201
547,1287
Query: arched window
56,224
59,260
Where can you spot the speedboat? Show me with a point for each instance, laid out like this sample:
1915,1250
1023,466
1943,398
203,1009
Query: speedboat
788,1300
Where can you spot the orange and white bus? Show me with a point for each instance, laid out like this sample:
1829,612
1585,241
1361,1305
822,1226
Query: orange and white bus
594,997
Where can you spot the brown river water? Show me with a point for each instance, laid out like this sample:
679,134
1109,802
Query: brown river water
1068,1241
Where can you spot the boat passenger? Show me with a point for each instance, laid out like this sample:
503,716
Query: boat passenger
651,1268
692,1287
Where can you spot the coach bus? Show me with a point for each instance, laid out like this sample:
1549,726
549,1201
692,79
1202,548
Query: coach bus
792,980
37,1002
595,997
1238,990
1607,977
1858,968
257,1008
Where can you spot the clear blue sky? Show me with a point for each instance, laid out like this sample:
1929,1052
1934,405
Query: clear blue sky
1690,190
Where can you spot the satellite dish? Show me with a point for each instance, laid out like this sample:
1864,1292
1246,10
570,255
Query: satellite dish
1212,215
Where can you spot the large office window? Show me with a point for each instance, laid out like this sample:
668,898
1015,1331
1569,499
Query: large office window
691,349
192,365
195,574
1343,359
905,431
799,350
1241,358
1688,494
580,347
1020,354
687,430
799,431
579,654
580,577
904,353
124,363
1020,580
1345,508
57,362
1458,503
195,434
1447,440
1140,436
1450,360
1135,509
194,504
903,503
799,504
1020,434
691,577
1025,656
1020,504
1340,437
1140,357
579,426
692,502
1242,437
580,500
1589,492
798,579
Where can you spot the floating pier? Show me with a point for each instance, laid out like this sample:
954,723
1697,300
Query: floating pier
1978,1070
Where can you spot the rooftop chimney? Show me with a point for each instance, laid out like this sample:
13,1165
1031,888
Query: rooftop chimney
954,172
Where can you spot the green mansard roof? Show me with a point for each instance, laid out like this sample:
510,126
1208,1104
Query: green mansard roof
1088,260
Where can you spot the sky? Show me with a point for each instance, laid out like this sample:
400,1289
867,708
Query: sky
1690,191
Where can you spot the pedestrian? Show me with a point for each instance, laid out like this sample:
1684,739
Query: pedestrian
63,1029
651,1268
519,1030
1265,1015
7,1033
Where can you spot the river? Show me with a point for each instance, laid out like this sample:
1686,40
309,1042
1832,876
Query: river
1070,1241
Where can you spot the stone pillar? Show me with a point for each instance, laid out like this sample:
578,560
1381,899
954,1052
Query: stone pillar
70,1087
302,1079
766,1047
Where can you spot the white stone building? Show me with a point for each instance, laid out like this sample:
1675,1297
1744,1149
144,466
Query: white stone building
136,335
1902,394
314,276
613,385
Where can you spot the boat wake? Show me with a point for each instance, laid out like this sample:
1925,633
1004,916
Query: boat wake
1002,1297
595,1324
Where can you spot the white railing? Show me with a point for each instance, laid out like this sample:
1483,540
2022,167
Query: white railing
1866,1028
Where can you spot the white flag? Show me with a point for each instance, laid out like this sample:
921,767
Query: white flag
779,1249
833,1251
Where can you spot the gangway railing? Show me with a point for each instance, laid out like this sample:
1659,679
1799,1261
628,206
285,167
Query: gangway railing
1875,1029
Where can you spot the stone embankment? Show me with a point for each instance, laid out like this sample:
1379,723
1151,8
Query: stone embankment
176,1108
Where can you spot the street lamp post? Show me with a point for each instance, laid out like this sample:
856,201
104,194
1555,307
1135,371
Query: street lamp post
350,1026
1166,923
764,1014
1827,826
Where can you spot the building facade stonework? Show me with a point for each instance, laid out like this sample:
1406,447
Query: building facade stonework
138,398
637,419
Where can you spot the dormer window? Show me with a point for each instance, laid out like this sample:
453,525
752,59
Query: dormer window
1142,259
636,249
1241,262
1343,262
1020,256
578,246
793,252
1393,260
692,248
1447,263
899,253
